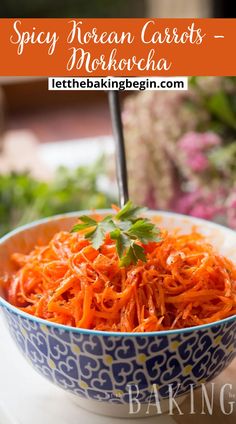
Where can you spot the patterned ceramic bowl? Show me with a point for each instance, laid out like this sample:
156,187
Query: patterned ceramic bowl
110,372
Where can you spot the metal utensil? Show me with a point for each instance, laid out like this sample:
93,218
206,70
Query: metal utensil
117,126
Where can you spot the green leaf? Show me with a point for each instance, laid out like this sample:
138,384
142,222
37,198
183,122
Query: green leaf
108,225
145,231
96,236
107,218
127,207
125,228
128,258
115,234
122,241
129,211
192,81
133,254
122,244
79,227
219,105
124,225
139,252
88,220
90,234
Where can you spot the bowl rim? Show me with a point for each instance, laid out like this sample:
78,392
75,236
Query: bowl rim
16,311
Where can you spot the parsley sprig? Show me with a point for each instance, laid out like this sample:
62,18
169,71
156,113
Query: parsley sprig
127,228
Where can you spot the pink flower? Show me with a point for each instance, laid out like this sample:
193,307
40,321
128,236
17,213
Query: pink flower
197,162
194,141
189,142
204,211
185,202
202,204
195,147
210,139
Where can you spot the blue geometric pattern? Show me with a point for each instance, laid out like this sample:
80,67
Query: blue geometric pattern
100,367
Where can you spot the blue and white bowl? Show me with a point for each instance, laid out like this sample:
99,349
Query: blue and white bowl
108,372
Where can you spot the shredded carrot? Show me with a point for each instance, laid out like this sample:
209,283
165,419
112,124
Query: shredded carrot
183,283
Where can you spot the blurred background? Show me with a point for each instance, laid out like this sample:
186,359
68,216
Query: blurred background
117,8
57,151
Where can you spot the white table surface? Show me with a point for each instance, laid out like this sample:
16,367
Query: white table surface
30,399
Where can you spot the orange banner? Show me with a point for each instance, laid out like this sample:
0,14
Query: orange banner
117,47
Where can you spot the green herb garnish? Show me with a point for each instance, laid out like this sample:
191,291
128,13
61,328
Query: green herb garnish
127,228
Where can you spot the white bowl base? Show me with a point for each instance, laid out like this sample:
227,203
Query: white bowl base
122,410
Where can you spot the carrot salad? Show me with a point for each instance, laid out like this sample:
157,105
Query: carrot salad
184,282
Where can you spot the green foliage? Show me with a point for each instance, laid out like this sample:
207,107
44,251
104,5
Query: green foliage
24,199
224,159
218,101
219,105
129,212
